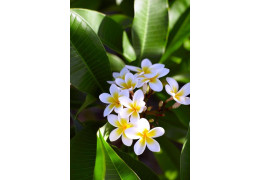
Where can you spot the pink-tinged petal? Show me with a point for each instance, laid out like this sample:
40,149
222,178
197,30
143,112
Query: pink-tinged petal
156,132
139,146
152,144
138,95
125,101
184,91
113,90
133,133
108,109
127,141
124,93
124,71
105,98
156,85
182,100
113,120
115,134
133,68
163,72
134,117
115,75
143,124
125,113
173,83
120,82
169,90
146,63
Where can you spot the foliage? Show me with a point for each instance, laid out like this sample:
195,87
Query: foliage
106,35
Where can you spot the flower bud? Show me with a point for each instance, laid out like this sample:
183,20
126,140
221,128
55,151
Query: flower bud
145,108
145,88
176,105
151,120
160,104
149,108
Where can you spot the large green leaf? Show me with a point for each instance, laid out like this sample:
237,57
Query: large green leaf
185,159
150,28
168,158
83,153
109,32
123,20
88,101
116,63
89,64
179,33
85,4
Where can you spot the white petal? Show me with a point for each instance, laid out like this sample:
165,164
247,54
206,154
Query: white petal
111,82
169,90
143,124
125,101
163,72
120,82
185,89
157,67
133,68
156,85
151,74
108,109
129,77
139,146
115,134
138,95
124,93
113,120
141,104
183,100
132,133
104,97
123,120
115,74
124,71
173,83
113,89
127,141
146,63
125,112
153,145
118,109
134,117
156,132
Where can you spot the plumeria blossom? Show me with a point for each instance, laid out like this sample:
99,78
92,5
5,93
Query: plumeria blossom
147,69
133,107
113,99
154,82
120,75
145,136
122,124
129,82
178,96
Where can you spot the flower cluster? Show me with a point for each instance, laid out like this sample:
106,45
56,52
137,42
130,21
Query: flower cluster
129,103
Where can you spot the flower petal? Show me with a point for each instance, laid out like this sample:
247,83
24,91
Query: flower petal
115,75
138,95
184,91
123,120
143,124
156,132
105,97
124,71
169,90
157,66
113,90
113,120
173,83
115,134
129,77
163,72
152,144
125,113
108,109
139,146
120,82
124,93
182,100
146,63
127,141
132,133
133,68
125,101
111,82
134,117
156,85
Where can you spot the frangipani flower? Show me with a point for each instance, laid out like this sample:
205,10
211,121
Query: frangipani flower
129,82
133,107
154,82
120,75
122,124
178,96
148,69
145,135
113,99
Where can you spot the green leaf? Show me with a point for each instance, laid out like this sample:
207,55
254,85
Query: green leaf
83,153
168,158
116,63
116,168
109,32
150,28
123,20
138,167
85,4
185,159
88,101
89,64
179,33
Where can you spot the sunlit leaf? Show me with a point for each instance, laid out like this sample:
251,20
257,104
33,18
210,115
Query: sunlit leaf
116,63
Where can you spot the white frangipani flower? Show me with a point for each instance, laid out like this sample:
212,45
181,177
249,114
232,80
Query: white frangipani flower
129,82
178,96
154,82
122,124
145,135
133,107
148,69
120,75
113,99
